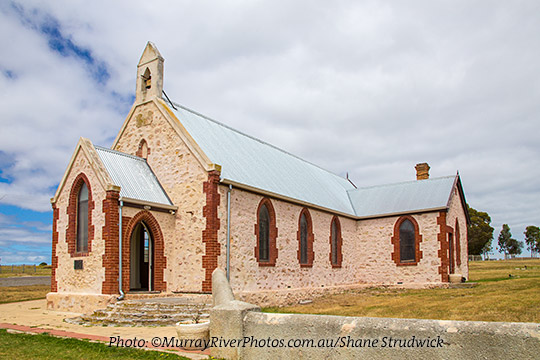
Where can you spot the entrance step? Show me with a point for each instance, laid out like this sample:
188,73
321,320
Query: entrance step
148,312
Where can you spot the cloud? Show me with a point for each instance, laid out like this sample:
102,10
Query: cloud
363,87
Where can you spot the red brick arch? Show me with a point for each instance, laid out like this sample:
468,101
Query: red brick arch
71,232
310,239
339,243
272,236
396,255
160,261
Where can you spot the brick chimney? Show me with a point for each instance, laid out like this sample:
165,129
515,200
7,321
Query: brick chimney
422,171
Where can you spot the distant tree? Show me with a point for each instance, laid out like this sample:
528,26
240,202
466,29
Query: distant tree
504,239
480,232
43,264
514,247
532,239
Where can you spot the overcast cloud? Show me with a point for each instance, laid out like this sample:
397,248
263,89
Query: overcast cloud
365,87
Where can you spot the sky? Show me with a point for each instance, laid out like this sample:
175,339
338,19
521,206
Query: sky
368,88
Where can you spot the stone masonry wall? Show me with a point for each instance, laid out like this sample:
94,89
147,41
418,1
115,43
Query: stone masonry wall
366,249
88,280
457,213
182,177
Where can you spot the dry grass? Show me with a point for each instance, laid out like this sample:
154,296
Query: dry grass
497,297
10,294
29,270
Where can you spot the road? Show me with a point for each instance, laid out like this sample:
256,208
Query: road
25,281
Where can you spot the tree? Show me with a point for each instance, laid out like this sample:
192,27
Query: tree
532,238
480,232
514,247
504,239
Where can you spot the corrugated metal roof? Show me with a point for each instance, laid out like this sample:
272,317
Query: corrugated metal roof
133,175
403,197
254,163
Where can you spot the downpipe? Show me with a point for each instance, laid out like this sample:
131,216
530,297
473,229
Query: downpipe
229,232
122,295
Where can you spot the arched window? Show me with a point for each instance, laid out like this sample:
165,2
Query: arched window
80,230
266,232
406,241
82,219
335,243
147,80
143,150
305,239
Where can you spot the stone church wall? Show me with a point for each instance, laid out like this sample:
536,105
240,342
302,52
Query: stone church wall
456,213
366,250
73,287
182,177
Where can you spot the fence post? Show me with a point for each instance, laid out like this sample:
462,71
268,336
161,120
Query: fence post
12,268
35,268
23,268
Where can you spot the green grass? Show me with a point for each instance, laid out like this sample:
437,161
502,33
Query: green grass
42,346
498,297
11,294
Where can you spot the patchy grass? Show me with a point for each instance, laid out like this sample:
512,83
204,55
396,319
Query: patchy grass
10,294
29,270
498,297
42,346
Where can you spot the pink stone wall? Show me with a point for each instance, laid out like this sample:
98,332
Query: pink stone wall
457,212
90,279
367,249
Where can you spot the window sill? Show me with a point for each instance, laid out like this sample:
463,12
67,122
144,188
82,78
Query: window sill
266,264
80,254
412,263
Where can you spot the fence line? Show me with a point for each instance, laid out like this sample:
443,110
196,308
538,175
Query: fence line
18,269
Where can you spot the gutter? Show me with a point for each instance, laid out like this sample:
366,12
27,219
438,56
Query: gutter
149,203
328,210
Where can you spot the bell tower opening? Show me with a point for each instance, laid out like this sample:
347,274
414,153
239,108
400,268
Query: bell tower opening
149,74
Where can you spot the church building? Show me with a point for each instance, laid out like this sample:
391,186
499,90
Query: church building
179,194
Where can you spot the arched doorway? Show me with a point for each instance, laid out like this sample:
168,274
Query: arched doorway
141,258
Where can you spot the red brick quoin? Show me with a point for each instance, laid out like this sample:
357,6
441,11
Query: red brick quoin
396,255
272,234
54,259
71,232
443,253
210,233
110,238
160,261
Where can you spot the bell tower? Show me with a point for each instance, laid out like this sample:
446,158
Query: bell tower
149,74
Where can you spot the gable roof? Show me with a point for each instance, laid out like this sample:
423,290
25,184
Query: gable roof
254,163
262,167
411,196
132,174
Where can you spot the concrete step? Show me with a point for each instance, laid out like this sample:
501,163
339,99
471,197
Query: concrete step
147,312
